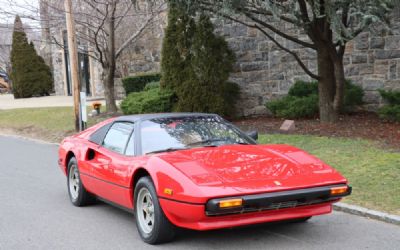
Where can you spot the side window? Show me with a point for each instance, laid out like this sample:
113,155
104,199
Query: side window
98,136
130,148
117,137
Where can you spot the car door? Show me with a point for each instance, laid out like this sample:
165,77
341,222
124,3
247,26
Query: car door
112,164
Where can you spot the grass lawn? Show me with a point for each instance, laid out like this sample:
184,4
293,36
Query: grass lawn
52,119
373,172
46,123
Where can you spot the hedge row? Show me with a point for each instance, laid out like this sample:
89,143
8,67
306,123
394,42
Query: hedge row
151,100
302,100
154,100
391,111
137,83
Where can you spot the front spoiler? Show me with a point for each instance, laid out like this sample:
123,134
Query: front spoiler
277,200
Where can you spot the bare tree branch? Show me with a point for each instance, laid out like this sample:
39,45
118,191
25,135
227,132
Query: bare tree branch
135,35
294,54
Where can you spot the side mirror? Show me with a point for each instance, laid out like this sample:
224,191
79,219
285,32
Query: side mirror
253,134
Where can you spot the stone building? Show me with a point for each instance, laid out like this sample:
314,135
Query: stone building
5,45
54,49
142,55
263,71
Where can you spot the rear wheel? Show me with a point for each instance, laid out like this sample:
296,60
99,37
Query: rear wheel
77,192
152,225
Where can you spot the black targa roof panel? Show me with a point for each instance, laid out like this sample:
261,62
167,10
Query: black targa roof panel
143,117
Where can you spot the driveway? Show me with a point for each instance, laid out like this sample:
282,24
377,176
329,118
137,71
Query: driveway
35,213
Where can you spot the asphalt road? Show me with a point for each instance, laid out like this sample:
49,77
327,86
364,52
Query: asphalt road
35,213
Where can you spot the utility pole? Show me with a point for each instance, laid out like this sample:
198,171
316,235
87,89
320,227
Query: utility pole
73,61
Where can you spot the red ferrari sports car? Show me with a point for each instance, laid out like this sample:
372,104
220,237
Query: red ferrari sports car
195,171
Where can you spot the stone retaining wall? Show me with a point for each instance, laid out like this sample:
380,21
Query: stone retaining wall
265,72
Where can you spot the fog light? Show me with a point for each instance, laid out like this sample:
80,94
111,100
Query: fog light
339,190
230,203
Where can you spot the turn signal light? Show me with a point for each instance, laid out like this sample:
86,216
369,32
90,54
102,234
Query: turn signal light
230,203
339,190
168,191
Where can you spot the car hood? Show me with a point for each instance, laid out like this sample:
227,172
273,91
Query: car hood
253,168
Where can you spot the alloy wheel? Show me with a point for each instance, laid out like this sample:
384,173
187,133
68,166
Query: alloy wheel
145,210
74,182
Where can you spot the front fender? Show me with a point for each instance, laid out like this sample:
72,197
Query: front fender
170,183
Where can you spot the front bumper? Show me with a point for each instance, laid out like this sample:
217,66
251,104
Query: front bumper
277,200
193,216
206,217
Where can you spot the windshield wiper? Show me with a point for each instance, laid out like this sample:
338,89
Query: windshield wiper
171,149
243,143
165,150
206,142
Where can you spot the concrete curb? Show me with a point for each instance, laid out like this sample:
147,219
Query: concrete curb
28,139
365,212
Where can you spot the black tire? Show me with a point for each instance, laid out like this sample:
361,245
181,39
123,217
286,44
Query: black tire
162,229
82,196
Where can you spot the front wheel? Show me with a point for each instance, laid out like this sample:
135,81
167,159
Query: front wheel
77,192
152,225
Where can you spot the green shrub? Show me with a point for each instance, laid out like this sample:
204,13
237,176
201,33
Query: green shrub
392,97
353,96
231,95
152,85
390,112
294,107
153,100
138,82
302,100
302,88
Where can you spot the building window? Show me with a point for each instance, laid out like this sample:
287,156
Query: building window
83,67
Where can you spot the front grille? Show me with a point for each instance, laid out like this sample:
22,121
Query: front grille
283,205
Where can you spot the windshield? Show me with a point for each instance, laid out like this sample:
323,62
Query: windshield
167,134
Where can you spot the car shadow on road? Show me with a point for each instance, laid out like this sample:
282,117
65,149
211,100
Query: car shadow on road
247,233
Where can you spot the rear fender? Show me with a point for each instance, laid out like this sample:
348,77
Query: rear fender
72,147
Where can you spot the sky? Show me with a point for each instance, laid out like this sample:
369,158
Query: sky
9,8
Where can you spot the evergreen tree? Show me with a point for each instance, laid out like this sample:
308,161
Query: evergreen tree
30,75
212,61
176,56
196,65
